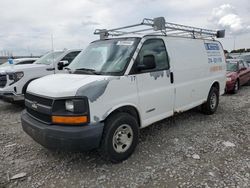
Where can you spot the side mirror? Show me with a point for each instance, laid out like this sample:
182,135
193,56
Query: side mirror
148,63
62,64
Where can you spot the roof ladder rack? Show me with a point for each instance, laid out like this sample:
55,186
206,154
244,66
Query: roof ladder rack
160,26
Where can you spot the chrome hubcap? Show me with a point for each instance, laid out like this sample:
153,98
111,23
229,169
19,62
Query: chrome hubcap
122,138
213,101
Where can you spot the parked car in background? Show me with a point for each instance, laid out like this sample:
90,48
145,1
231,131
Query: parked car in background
15,79
20,61
238,74
246,58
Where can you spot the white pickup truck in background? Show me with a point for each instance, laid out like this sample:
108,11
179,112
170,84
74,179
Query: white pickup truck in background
14,79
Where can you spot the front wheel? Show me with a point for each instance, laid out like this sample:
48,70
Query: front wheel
120,137
212,102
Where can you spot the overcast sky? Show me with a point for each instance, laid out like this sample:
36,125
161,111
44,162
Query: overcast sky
26,26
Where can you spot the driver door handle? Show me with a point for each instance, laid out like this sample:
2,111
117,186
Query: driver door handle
171,77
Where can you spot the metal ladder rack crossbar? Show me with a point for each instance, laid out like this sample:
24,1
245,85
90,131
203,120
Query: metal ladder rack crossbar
160,26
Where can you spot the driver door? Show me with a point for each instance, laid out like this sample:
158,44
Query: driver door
155,90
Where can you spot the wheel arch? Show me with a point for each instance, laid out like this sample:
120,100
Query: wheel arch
128,108
216,84
26,85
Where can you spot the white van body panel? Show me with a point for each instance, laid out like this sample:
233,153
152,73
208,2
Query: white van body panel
151,94
105,93
62,85
193,77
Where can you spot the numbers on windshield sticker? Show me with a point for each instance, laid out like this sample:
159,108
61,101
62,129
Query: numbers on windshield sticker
125,43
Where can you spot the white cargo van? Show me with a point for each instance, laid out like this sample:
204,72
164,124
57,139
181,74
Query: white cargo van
14,79
120,85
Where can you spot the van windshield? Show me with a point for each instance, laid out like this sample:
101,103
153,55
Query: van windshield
108,57
48,58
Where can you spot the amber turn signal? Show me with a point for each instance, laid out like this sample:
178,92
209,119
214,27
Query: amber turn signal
69,119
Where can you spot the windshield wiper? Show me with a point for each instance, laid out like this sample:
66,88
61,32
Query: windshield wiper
88,71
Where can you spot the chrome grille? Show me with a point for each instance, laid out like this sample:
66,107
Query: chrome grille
38,113
3,81
38,99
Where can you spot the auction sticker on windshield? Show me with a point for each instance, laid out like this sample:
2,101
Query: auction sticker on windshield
125,43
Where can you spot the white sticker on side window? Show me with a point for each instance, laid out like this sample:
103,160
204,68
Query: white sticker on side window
125,43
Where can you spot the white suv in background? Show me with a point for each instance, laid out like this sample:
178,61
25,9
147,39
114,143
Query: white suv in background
14,79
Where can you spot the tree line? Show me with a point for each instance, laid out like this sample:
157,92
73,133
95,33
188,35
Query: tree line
242,50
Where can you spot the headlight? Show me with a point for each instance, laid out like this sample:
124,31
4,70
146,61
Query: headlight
229,79
70,111
69,105
16,76
19,75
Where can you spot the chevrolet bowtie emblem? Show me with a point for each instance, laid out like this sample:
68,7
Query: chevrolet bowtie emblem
34,105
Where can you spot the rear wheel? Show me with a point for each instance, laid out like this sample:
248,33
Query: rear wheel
120,137
212,103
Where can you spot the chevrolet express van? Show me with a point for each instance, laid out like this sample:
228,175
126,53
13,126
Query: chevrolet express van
119,85
14,79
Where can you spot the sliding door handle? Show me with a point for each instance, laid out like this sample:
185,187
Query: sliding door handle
171,77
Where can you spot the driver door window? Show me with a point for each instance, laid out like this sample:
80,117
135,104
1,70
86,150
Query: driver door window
155,47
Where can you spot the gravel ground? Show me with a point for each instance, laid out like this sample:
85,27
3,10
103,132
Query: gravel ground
188,150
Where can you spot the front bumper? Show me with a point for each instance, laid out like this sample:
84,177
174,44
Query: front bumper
61,137
230,86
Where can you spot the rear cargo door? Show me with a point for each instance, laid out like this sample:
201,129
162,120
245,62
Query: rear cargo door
155,88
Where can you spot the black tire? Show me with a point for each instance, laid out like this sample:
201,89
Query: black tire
108,143
236,87
211,106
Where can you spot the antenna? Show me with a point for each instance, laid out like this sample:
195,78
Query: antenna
52,48
160,26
